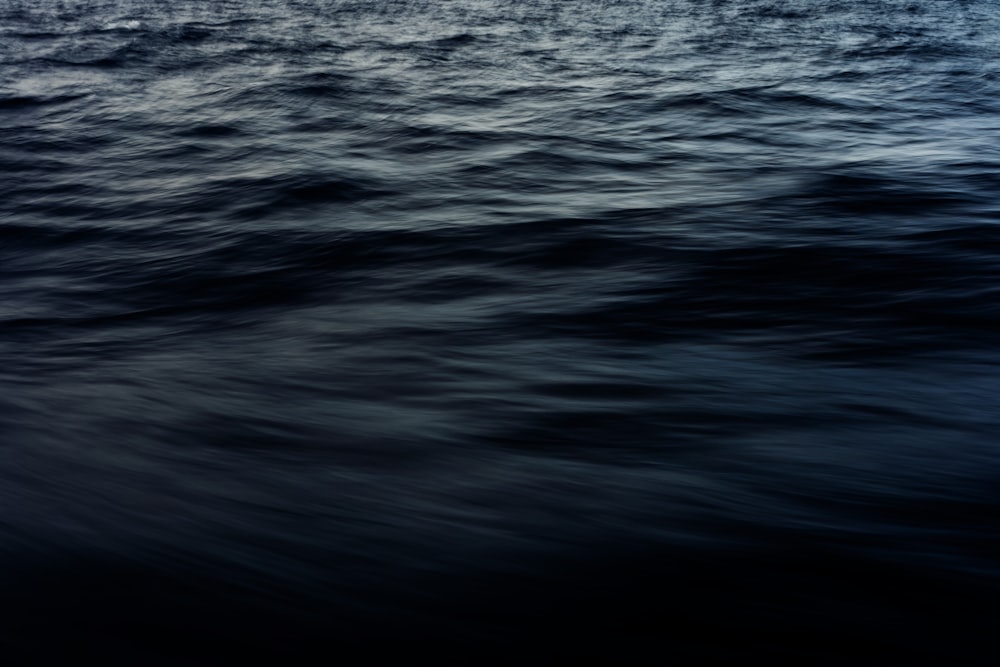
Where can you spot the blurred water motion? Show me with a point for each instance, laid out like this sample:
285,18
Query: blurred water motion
638,330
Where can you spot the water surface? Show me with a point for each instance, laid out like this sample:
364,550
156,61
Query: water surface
639,329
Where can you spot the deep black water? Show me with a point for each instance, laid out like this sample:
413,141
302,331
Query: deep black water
656,331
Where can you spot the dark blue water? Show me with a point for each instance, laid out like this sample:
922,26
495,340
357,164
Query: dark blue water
656,331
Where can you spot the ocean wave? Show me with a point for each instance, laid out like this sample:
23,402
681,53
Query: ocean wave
619,329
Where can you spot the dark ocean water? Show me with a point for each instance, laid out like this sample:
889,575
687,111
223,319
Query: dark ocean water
656,331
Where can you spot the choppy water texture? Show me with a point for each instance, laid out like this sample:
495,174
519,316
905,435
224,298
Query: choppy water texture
653,330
